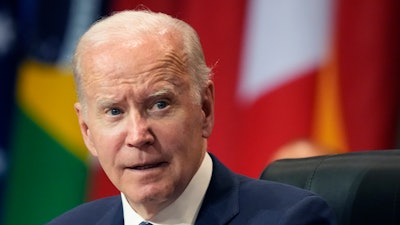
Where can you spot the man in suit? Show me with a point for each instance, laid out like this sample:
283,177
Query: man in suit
146,109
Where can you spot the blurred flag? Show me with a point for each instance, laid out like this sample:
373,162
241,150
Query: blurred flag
8,64
48,161
368,55
323,71
285,44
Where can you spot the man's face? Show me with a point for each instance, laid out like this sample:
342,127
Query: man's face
141,120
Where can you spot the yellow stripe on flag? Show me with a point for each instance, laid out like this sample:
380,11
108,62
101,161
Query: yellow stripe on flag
46,93
328,126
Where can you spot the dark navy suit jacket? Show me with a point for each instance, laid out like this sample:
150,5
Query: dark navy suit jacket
230,199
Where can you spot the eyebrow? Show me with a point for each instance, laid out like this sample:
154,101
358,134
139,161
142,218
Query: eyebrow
104,103
161,92
166,90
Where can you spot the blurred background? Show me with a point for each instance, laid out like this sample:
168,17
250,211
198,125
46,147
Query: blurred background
293,79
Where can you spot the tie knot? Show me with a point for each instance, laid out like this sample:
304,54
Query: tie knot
145,223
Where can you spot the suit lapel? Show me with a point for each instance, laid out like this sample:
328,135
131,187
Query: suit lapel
114,216
221,202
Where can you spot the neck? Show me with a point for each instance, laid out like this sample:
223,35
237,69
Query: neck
150,210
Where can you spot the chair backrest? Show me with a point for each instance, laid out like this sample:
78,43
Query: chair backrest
363,188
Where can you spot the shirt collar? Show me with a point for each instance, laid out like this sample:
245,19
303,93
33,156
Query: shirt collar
178,212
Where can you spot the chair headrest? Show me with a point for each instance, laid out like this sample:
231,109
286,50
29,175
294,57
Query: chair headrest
361,187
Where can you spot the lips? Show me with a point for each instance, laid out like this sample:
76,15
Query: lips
147,166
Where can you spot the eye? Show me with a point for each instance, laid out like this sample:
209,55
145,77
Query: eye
161,104
114,111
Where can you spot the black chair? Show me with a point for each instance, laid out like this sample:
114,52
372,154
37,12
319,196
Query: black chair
363,188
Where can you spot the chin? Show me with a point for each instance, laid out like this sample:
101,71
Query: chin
152,194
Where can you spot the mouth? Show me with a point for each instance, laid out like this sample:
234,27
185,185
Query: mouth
148,166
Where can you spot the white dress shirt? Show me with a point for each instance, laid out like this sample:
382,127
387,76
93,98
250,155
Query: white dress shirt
184,209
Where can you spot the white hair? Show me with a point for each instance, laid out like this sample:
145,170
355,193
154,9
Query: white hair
133,25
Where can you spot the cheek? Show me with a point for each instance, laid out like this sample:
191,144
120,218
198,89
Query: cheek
179,131
107,142
108,145
182,137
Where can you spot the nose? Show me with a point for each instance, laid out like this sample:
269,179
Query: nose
139,133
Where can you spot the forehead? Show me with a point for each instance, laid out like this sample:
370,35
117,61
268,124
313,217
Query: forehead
143,58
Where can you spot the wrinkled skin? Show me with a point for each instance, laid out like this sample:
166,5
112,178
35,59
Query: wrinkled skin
140,119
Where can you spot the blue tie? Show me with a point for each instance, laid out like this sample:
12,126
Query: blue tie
145,223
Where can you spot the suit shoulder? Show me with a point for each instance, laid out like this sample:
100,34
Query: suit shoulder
90,212
269,191
282,203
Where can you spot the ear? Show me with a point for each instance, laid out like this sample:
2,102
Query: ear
87,137
207,105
